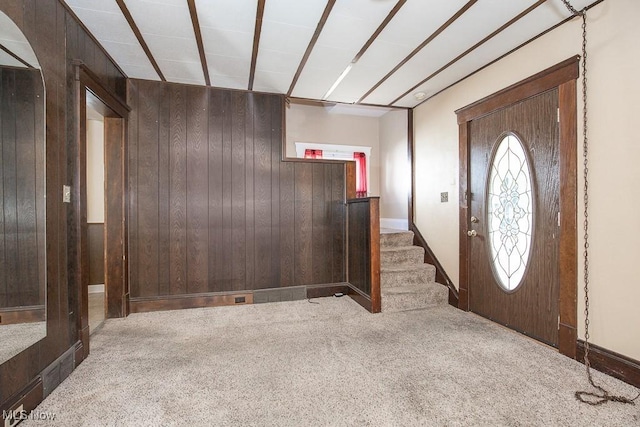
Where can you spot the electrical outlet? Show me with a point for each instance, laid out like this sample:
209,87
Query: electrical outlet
240,300
444,197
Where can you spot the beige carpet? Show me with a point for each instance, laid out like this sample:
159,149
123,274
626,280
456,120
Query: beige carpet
326,364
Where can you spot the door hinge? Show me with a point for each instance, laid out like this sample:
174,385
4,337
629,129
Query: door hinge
558,322
558,218
558,115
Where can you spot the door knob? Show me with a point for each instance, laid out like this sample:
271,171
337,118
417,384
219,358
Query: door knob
474,219
472,233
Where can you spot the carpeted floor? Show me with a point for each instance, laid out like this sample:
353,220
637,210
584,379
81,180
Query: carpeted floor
325,364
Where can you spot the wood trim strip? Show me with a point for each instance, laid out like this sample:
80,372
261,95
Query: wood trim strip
95,86
361,298
29,398
568,302
198,33
179,302
428,40
429,257
374,254
138,34
91,36
378,30
256,42
312,43
30,314
545,80
16,57
472,48
323,103
611,363
412,164
463,287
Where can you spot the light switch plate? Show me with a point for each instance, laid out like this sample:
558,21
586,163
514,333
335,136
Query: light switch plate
66,194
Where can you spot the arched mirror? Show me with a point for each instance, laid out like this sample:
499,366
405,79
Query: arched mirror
23,308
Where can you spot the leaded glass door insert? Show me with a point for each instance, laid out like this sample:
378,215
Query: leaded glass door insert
510,216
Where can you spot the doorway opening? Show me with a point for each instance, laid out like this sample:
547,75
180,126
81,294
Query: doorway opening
99,206
95,215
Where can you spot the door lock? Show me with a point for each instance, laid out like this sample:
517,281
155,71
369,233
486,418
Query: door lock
472,233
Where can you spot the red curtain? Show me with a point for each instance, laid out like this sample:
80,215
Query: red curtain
361,174
312,154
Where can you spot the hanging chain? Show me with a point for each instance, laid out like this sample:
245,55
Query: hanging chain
602,395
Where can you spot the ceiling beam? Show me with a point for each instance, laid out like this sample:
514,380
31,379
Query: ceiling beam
256,42
198,33
312,43
14,56
474,47
515,49
420,46
138,34
375,35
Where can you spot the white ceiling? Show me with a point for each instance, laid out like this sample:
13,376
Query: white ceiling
425,47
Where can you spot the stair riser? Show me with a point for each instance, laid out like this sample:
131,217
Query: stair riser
399,278
396,239
413,255
402,302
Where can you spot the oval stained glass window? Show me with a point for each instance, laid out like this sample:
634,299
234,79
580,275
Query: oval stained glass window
509,212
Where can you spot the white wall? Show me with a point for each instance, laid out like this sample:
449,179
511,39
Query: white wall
307,123
395,169
95,171
613,67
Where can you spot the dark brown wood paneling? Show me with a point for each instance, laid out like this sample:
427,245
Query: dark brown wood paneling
239,217
56,39
95,237
363,247
115,184
197,168
21,195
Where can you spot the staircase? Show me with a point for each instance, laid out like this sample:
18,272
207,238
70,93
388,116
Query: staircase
406,282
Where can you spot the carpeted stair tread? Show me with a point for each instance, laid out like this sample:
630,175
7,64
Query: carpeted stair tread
401,255
401,238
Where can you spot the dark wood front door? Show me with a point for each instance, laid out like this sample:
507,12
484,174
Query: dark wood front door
514,216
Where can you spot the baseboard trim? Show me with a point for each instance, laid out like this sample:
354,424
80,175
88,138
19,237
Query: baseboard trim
27,314
394,223
179,302
611,363
28,398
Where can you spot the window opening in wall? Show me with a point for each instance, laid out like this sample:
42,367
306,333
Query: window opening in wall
360,154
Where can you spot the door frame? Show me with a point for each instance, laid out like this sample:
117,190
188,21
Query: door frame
562,76
116,114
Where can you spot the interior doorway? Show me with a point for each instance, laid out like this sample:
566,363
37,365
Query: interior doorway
95,215
101,232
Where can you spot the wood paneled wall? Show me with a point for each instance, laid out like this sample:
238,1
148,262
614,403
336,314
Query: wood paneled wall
56,38
214,208
22,190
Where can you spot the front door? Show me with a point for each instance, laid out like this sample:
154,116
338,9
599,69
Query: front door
514,216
